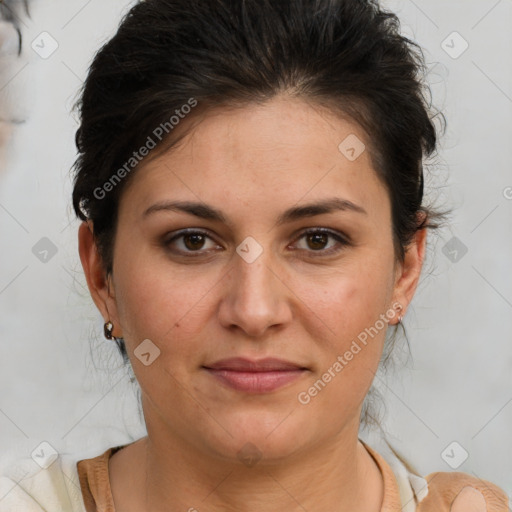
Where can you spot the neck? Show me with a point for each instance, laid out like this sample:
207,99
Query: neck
339,475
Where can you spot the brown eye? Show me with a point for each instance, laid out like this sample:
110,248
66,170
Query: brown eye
193,241
189,242
317,240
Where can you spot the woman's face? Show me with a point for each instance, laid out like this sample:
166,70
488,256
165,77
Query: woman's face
253,285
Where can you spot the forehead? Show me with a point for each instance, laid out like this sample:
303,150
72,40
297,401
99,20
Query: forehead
276,153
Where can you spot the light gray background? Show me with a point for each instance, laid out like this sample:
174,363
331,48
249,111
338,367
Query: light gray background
63,383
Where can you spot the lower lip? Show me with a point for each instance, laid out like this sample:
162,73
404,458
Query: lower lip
256,382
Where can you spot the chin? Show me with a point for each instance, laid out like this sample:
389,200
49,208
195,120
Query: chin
266,437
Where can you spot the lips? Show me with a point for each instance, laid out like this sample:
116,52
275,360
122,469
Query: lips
262,376
247,365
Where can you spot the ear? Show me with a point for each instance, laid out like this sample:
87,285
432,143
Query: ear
99,285
409,271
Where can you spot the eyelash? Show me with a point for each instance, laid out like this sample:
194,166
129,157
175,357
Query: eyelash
342,241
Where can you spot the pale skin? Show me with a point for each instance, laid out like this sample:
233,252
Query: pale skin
294,302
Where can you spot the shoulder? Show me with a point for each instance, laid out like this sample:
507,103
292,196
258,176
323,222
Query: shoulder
461,492
24,485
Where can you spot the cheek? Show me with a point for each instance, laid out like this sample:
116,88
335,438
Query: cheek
361,309
166,309
160,302
351,350
350,300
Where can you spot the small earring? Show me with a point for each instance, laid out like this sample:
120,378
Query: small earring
108,328
400,317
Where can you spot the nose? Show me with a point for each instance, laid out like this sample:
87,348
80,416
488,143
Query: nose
255,298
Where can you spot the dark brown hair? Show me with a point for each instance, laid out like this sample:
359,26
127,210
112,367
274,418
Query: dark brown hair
347,55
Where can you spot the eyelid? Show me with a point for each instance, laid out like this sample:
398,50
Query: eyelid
189,231
327,231
341,239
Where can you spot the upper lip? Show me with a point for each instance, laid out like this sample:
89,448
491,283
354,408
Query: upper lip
241,364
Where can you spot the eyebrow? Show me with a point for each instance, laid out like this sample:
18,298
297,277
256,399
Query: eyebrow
204,211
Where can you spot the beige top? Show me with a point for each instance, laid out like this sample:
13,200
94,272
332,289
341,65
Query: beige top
446,492
74,484
97,494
